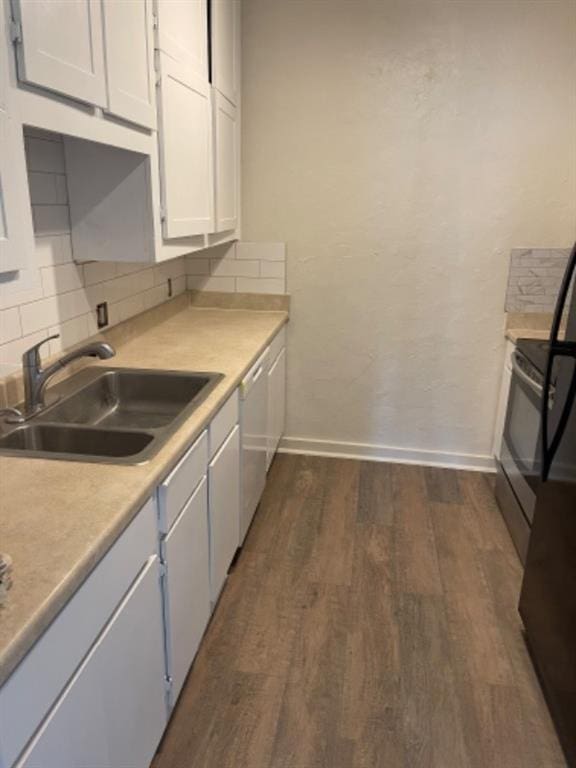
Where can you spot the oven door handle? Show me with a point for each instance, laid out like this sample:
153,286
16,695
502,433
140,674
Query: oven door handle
537,388
549,448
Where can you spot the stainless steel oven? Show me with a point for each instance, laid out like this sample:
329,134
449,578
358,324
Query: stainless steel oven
519,471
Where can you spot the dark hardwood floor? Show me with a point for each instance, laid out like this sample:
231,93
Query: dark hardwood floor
370,622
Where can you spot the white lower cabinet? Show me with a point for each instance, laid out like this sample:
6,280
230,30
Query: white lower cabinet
276,404
97,687
224,505
113,711
187,586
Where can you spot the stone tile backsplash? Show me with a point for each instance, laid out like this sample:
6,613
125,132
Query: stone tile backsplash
534,279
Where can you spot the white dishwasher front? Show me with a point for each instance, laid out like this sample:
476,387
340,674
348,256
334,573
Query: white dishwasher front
253,423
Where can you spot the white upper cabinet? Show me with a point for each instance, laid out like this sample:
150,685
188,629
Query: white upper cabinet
16,231
183,33
185,138
226,163
129,47
61,47
225,47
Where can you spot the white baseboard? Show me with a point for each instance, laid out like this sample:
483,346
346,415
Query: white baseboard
394,455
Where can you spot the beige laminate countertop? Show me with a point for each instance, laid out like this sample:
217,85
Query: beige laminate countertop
526,333
59,518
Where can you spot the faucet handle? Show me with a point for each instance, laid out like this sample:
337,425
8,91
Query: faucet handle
32,356
12,415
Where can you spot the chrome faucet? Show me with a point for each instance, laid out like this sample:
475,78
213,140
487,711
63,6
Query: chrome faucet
36,377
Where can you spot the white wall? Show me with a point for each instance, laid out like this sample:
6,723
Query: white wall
57,295
402,149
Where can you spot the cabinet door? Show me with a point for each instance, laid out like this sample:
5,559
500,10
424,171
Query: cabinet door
224,506
16,231
187,586
61,47
113,711
276,404
183,33
130,60
132,671
225,47
226,163
73,735
185,152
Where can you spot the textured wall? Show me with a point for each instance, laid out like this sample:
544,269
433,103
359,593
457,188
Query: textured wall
402,149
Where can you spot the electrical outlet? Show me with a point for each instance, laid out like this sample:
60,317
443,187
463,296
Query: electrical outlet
169,286
102,314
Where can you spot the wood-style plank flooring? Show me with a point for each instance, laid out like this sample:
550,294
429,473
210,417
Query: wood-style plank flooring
370,622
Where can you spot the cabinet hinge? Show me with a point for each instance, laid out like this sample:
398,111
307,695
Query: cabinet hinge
154,21
162,569
162,214
168,684
15,31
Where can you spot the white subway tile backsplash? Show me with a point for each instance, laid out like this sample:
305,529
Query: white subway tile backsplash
51,219
261,251
259,285
234,268
128,267
223,284
99,272
47,188
20,287
70,332
240,267
39,315
275,269
131,306
61,278
45,155
198,266
10,326
179,285
52,250
155,296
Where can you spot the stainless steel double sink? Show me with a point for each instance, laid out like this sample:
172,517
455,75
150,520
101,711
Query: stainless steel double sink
111,415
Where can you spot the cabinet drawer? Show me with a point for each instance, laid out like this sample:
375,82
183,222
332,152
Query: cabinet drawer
277,345
176,489
113,711
223,423
187,586
36,683
224,510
